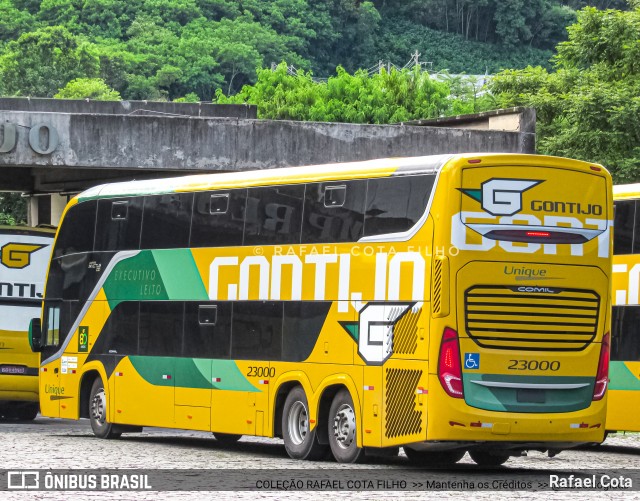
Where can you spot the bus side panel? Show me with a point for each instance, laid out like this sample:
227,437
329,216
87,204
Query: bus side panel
624,395
144,392
404,402
51,391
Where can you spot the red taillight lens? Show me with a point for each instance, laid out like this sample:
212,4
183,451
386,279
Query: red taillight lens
449,365
602,377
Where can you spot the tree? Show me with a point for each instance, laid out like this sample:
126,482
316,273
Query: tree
589,108
42,61
385,97
13,209
88,88
13,22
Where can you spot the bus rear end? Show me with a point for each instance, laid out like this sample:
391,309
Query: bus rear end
520,344
24,257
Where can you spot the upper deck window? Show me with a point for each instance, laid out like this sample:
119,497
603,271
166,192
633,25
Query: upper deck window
395,204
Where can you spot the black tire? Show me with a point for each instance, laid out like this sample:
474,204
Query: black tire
227,438
28,412
484,458
434,458
343,430
98,412
299,441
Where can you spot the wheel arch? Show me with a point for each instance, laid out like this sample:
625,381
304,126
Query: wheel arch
91,372
284,384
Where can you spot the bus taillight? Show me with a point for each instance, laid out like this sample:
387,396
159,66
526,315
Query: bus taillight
449,365
602,377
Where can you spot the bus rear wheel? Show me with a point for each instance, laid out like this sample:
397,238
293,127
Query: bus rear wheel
98,412
343,430
434,458
227,438
485,458
300,441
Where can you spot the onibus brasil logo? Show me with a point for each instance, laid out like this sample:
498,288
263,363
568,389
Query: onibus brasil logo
501,197
17,255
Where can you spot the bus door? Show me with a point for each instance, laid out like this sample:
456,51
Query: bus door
51,390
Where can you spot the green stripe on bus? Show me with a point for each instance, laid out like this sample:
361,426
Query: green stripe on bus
134,279
622,378
180,274
192,373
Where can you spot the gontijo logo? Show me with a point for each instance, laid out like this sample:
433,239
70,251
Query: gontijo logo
501,197
17,255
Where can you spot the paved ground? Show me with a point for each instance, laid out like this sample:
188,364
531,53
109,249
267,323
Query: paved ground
52,443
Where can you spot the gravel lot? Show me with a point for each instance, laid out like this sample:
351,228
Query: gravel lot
58,444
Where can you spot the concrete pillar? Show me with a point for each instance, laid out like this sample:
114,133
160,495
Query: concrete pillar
32,211
58,203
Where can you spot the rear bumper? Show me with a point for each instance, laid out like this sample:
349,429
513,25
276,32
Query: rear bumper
18,388
451,419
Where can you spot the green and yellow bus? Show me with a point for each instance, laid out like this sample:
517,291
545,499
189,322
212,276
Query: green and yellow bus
24,257
441,303
625,329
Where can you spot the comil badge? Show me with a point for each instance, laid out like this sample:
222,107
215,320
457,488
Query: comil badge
501,197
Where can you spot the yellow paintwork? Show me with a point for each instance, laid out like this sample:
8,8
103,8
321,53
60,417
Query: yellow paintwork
335,359
625,292
18,265
622,405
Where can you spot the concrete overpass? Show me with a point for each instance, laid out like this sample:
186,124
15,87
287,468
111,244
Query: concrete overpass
52,148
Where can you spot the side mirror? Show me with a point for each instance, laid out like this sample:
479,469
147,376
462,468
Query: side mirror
35,334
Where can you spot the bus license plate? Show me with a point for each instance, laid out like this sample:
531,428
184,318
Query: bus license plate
9,369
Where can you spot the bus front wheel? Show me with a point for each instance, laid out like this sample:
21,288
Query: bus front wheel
227,438
299,441
485,458
98,412
434,458
28,412
342,429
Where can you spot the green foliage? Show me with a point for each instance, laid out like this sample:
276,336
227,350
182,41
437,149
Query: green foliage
452,52
88,88
189,98
590,107
13,209
385,97
164,49
13,21
42,61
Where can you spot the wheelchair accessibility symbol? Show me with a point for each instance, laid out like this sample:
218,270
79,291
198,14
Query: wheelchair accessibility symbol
472,361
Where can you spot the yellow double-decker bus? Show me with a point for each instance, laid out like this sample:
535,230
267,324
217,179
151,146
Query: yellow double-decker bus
24,257
625,343
442,303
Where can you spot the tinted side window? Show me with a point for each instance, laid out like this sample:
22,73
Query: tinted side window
395,204
118,224
257,330
303,322
334,212
74,276
166,220
636,229
121,330
623,225
625,326
207,330
274,215
218,218
77,230
160,328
